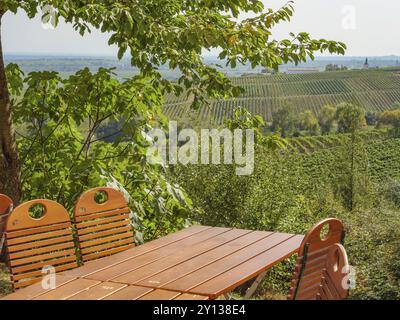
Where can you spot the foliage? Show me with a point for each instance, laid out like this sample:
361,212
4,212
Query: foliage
63,150
243,119
352,180
110,131
335,67
326,117
373,246
285,121
289,123
371,118
350,117
276,196
393,192
390,117
309,123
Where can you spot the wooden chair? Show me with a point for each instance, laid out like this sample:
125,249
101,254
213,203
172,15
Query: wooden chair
322,267
103,227
6,205
34,243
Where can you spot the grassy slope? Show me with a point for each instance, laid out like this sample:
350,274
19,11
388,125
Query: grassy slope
375,90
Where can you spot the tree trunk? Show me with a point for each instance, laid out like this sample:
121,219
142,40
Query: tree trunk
352,171
10,173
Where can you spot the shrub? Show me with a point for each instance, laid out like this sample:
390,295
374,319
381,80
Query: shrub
393,192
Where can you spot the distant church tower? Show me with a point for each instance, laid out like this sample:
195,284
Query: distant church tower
366,64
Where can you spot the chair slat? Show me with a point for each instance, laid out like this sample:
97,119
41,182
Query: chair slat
311,265
108,226
39,233
40,243
41,257
311,281
105,233
328,285
42,250
326,290
101,214
108,239
36,265
105,220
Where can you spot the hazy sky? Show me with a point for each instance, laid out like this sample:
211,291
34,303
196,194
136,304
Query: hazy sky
368,27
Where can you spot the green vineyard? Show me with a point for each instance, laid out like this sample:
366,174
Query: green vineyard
375,90
319,155
310,144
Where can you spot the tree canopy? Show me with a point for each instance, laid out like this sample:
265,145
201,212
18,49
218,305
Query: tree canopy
176,32
285,120
309,122
326,117
390,117
350,117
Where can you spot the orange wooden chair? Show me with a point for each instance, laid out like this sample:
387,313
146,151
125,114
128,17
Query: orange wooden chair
6,205
34,243
103,223
322,267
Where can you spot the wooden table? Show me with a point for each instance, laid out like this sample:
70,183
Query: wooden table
196,263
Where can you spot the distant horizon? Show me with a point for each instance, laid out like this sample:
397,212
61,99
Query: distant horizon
69,63
109,55
360,24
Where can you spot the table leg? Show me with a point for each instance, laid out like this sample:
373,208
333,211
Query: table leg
250,291
227,296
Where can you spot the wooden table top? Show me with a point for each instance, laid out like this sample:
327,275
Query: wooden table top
195,263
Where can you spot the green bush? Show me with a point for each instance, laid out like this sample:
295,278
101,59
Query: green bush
393,192
373,246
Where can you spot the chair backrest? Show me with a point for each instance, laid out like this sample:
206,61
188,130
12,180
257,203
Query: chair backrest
33,244
313,274
6,205
103,227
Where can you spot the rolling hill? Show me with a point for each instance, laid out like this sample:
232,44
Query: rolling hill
375,90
